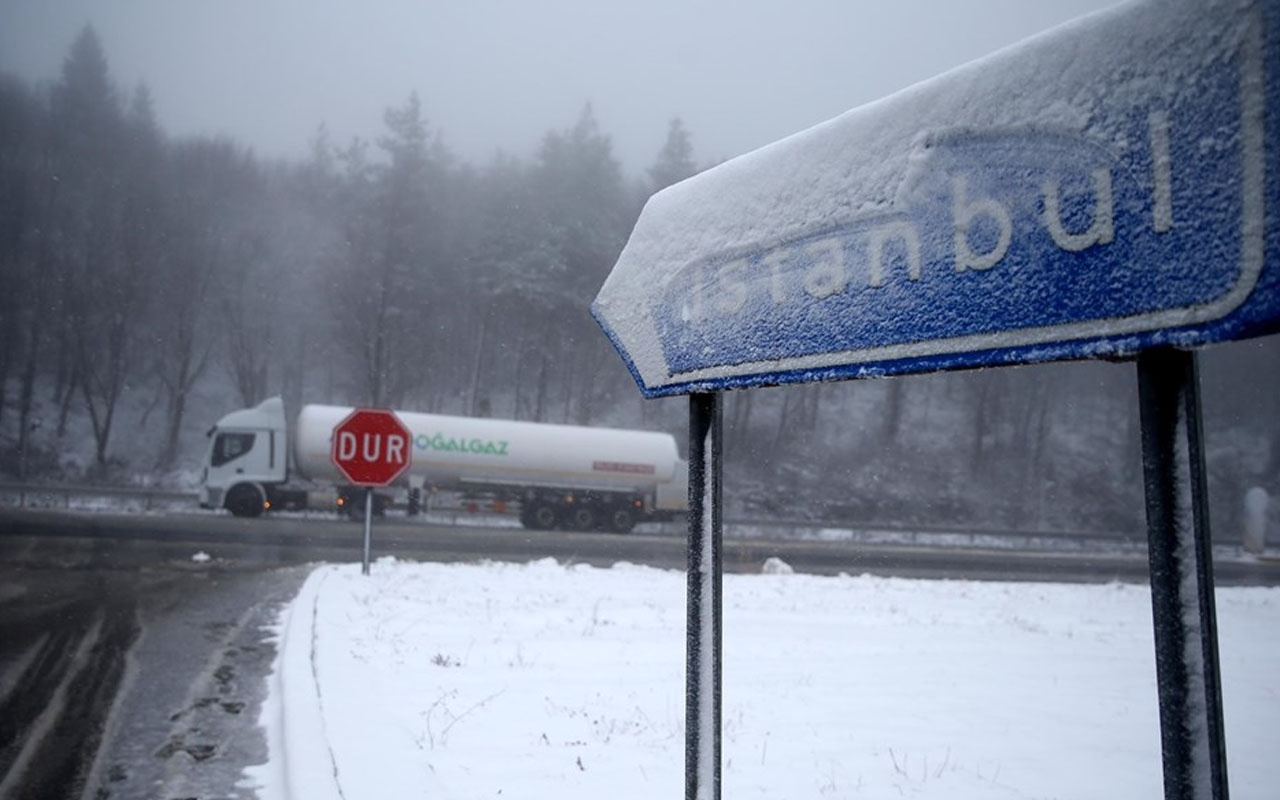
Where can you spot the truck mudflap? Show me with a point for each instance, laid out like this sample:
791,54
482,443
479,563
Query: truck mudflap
210,498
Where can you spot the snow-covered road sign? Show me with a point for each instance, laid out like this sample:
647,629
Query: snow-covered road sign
1103,188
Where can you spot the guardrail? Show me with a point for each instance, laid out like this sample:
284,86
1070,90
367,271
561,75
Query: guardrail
936,535
93,498
134,499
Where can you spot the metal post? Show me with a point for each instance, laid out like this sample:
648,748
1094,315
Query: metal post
368,525
1192,742
702,633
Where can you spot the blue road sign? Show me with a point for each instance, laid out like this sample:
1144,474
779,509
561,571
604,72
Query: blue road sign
1106,187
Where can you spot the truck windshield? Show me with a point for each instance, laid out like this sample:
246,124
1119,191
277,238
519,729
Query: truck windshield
230,446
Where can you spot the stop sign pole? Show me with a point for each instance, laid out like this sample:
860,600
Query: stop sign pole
370,447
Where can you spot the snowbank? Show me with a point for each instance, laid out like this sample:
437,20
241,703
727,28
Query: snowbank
542,680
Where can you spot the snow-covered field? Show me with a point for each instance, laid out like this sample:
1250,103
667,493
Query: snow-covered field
543,680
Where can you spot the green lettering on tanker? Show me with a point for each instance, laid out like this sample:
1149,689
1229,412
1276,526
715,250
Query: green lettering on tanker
448,444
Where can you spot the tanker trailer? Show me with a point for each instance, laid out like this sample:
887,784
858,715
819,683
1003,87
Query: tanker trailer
556,475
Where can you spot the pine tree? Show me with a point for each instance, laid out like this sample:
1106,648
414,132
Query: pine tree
102,256
675,159
384,273
587,214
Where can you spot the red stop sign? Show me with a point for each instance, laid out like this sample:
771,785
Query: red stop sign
371,447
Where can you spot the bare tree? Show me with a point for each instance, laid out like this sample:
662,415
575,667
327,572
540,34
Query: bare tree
211,190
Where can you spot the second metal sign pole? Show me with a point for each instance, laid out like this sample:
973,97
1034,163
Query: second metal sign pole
704,604
1179,547
368,529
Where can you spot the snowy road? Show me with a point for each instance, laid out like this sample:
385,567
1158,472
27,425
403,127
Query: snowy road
135,540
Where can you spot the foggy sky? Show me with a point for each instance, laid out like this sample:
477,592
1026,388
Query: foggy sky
498,74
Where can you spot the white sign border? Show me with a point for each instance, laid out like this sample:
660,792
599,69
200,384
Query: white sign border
1253,240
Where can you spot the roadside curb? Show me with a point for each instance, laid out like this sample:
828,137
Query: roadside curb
296,730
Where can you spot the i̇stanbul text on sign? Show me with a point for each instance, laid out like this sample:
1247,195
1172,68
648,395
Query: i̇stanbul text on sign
1092,192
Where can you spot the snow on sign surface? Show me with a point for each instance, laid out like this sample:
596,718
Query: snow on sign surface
1090,192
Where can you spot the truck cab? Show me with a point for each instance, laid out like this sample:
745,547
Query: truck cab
248,453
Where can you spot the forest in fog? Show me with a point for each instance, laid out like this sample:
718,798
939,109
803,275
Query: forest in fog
152,283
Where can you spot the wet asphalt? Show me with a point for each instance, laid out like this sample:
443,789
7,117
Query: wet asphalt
185,719
135,683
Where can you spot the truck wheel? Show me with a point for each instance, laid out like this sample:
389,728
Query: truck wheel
583,517
540,517
622,520
245,500
355,504
350,505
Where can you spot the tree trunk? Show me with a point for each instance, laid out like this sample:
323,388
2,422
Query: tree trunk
813,407
173,429
784,420
983,416
540,399
477,362
6,359
101,393
740,420
518,401
26,395
892,410
101,426
64,401
293,376
179,390
566,411
64,363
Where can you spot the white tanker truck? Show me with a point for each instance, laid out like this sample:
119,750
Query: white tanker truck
556,475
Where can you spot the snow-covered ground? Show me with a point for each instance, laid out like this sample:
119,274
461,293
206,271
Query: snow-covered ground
544,680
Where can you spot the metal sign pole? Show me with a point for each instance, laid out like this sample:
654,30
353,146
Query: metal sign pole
704,605
1186,638
368,525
